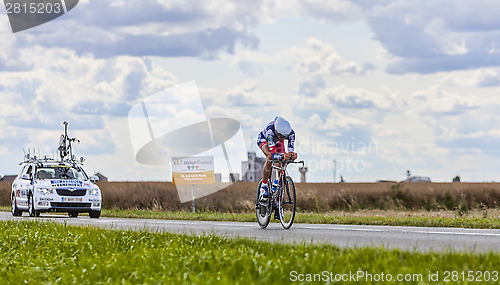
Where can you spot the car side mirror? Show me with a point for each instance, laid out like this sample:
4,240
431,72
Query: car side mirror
26,177
94,178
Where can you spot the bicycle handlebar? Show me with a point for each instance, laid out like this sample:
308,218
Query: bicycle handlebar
288,161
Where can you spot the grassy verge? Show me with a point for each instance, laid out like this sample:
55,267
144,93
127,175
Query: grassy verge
43,252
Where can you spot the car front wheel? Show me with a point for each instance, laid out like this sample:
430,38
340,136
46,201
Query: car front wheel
15,210
94,214
31,207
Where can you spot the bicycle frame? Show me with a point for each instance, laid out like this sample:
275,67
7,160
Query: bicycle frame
282,170
65,146
281,174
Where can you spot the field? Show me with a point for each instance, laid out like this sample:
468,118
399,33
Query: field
43,252
311,197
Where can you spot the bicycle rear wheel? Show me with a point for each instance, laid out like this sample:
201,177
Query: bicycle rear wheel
63,150
287,203
261,211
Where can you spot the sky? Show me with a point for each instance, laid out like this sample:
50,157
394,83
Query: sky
379,87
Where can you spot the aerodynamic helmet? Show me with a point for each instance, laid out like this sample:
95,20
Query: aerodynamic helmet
282,127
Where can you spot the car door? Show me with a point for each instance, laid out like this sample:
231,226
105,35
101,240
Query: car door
24,185
17,186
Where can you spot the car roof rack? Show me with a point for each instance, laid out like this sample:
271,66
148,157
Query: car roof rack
65,152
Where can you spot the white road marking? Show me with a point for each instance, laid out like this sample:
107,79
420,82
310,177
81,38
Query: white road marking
454,233
342,229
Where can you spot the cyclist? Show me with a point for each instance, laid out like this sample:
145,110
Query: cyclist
271,142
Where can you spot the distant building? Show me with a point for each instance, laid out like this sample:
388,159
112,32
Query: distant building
101,177
418,179
244,169
218,177
233,177
303,171
254,167
8,178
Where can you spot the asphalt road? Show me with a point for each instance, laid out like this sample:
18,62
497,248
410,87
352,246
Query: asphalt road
410,238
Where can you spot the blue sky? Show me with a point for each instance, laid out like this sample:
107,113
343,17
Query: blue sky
379,86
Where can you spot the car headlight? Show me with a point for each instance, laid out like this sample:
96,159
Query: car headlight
45,191
94,192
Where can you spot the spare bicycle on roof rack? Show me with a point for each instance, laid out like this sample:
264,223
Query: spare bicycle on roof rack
65,148
283,199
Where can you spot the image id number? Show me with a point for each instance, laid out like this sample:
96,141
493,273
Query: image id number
33,8
471,276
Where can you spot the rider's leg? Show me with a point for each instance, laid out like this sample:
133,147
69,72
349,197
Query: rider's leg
264,188
266,171
280,148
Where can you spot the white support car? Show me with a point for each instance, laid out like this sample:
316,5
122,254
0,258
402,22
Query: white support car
55,186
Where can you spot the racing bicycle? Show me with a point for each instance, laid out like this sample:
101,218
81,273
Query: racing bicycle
65,148
282,199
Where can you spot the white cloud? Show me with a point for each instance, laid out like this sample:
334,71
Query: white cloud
248,95
10,58
335,121
322,58
431,36
79,89
341,97
253,63
319,60
335,11
480,77
248,119
455,48
329,11
151,27
438,101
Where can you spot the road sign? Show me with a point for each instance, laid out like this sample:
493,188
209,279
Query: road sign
193,170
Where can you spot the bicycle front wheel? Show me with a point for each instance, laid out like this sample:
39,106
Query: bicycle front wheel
63,151
287,203
262,209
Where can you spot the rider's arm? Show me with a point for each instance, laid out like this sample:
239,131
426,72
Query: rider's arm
272,145
291,142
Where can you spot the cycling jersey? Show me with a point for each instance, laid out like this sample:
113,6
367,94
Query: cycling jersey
269,136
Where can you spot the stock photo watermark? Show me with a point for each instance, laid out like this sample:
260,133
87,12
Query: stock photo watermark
310,145
366,276
170,128
339,156
26,14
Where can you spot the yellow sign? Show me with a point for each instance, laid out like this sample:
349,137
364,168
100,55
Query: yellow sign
193,170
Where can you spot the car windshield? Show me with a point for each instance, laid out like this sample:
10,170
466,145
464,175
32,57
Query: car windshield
60,172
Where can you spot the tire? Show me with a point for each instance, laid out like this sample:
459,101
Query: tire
31,207
14,209
94,214
62,147
262,212
287,203
73,214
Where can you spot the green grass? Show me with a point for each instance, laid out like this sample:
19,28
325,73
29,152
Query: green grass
45,252
318,218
